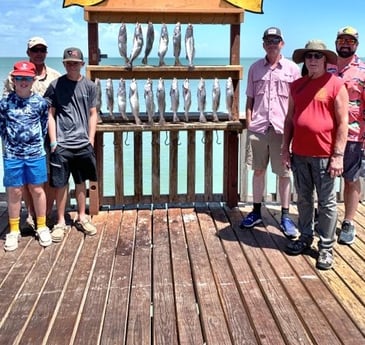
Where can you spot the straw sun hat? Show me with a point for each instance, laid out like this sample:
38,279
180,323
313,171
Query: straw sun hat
315,46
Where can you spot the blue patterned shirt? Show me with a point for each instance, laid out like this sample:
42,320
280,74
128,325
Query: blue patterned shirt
23,126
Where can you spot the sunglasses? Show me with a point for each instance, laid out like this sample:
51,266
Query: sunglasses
275,40
350,41
316,56
38,50
19,78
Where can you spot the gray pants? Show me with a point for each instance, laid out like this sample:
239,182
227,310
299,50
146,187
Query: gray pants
310,174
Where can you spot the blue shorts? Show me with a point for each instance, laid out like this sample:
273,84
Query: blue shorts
352,161
19,172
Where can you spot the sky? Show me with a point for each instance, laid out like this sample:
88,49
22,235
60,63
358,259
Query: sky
299,21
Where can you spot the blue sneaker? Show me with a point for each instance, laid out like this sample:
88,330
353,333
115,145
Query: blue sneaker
347,234
288,227
250,220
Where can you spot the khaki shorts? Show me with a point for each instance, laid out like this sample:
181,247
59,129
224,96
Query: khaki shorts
267,146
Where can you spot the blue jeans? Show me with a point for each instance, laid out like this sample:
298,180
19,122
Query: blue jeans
310,174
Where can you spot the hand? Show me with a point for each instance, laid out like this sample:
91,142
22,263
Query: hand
335,167
286,158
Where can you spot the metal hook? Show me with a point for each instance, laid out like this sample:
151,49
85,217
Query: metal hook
203,139
166,139
125,141
217,138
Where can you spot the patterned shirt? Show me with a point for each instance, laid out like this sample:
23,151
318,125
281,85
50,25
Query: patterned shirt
353,76
23,126
269,87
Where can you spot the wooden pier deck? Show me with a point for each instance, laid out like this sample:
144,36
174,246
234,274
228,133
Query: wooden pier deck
188,275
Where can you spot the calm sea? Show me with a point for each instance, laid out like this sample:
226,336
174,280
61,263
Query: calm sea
56,63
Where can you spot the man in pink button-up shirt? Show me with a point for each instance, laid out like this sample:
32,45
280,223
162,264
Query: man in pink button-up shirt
266,107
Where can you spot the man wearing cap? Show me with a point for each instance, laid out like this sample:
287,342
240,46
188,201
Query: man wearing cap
315,135
37,53
23,128
266,107
72,127
352,70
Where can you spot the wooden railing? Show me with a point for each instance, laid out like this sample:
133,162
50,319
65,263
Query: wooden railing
229,165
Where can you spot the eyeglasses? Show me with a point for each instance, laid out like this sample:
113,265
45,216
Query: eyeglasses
20,78
275,40
316,56
350,41
38,50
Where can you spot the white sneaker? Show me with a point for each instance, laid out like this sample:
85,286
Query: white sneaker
11,241
44,236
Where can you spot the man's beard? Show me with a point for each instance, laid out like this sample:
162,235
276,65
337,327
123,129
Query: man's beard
345,53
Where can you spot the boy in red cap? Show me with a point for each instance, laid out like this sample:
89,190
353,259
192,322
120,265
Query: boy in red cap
23,127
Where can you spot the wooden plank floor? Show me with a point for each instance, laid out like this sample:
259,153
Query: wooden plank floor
180,276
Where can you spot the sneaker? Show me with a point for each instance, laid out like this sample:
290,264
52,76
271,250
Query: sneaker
58,232
44,236
325,259
288,227
29,224
347,234
11,241
298,247
250,220
86,226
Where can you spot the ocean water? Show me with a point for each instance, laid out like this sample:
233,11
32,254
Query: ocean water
56,63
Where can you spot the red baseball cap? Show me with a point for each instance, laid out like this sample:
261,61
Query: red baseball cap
24,69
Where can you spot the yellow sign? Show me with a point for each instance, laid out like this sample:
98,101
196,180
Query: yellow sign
81,3
249,5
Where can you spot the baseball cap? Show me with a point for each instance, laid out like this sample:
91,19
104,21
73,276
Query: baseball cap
348,30
272,31
73,54
34,41
24,69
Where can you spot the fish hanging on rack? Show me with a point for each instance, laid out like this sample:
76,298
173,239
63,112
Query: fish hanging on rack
216,95
187,98
122,42
202,96
163,45
177,43
134,101
161,100
98,99
148,97
229,97
189,44
110,96
174,95
150,38
122,99
137,44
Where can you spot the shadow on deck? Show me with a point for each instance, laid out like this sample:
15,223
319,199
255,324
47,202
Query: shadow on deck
180,276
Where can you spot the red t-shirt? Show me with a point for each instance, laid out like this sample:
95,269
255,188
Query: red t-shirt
314,115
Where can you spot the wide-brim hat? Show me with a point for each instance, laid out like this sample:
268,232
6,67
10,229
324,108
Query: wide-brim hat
317,46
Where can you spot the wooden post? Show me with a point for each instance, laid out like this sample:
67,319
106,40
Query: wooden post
230,176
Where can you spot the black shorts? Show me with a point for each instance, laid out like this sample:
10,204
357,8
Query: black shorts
81,163
352,161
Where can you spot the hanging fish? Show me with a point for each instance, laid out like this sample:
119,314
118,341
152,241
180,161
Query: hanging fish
201,99
177,43
174,95
134,101
148,97
163,45
98,99
122,99
110,96
216,95
189,45
122,42
161,100
229,97
137,44
150,37
187,98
